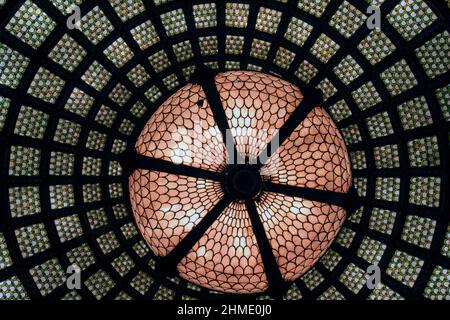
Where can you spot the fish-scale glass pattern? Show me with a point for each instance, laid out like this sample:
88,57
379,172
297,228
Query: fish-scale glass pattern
219,262
227,257
256,105
167,206
183,130
299,230
314,156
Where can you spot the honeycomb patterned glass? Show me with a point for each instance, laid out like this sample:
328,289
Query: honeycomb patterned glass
31,123
405,268
159,61
348,70
169,207
32,239
398,78
79,102
120,95
48,276
327,88
234,44
366,96
67,132
13,65
442,95
433,55
208,45
171,81
284,58
183,51
64,5
24,201
260,49
340,110
61,196
386,156
96,76
139,76
415,113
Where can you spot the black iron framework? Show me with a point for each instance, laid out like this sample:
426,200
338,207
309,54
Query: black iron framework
404,50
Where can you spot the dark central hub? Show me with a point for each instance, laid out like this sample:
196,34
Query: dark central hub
243,182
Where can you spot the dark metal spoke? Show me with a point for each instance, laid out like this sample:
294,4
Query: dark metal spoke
133,160
277,285
312,98
348,200
168,264
206,78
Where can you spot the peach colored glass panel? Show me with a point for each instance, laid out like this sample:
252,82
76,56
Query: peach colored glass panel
166,206
256,105
299,230
314,156
183,130
227,257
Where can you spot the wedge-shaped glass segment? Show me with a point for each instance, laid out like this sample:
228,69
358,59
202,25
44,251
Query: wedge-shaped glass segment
183,131
256,105
299,230
167,207
227,257
314,156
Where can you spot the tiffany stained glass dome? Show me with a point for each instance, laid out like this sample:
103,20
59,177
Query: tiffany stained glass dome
204,149
226,254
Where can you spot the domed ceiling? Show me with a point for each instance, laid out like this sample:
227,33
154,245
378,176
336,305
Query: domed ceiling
91,178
